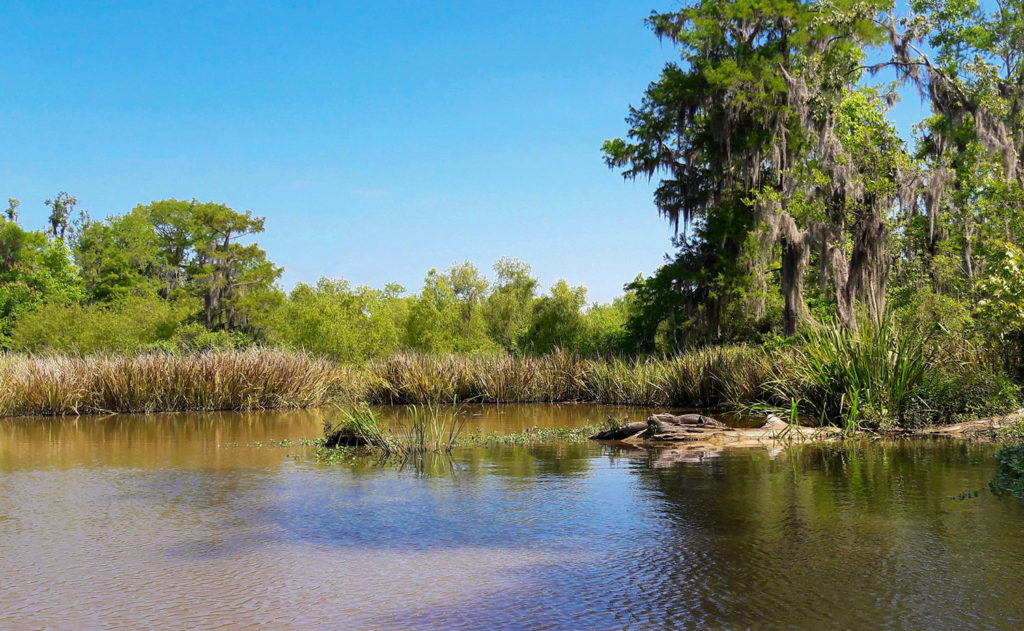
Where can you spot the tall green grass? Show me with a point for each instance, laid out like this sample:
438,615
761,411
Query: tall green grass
873,375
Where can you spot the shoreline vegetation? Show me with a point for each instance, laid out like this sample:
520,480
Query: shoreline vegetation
880,380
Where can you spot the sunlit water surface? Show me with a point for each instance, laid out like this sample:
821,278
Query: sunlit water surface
182,521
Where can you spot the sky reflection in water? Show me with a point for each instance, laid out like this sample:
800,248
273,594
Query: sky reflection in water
175,521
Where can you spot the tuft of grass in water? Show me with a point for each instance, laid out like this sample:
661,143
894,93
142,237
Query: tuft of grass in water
431,428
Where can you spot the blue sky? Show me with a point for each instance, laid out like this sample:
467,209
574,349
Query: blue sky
378,139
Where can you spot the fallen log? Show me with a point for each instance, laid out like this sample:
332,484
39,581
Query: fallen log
621,432
688,438
703,432
979,428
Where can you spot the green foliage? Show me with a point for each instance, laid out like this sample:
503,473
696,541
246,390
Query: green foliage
334,320
1002,307
556,321
507,309
119,258
33,270
1009,476
125,326
1012,433
604,328
871,376
962,391
447,315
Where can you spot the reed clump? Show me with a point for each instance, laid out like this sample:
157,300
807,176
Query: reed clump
153,382
429,429
409,378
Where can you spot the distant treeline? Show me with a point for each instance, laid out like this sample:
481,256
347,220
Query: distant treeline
181,276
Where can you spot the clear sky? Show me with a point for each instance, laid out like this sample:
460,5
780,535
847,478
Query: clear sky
378,139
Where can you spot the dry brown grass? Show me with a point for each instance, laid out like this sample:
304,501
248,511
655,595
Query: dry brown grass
244,380
263,379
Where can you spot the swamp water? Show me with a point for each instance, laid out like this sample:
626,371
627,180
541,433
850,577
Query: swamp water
182,521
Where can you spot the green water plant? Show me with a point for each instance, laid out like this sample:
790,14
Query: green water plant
430,428
533,436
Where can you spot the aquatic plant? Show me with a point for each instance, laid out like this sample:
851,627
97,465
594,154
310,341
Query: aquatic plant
532,436
431,428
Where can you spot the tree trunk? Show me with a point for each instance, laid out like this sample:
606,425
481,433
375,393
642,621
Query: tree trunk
794,261
869,268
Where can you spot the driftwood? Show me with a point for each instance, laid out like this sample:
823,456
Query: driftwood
703,431
980,428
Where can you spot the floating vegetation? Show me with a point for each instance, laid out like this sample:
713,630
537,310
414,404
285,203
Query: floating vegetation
285,442
532,436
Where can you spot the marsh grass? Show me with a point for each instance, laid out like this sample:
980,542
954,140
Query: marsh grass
711,377
408,378
870,378
240,380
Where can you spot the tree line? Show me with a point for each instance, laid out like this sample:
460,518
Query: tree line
794,199
186,275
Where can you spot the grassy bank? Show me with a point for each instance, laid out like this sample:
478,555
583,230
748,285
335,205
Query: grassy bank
876,378
244,380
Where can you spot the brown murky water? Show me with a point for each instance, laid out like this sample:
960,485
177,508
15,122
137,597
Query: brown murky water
185,521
